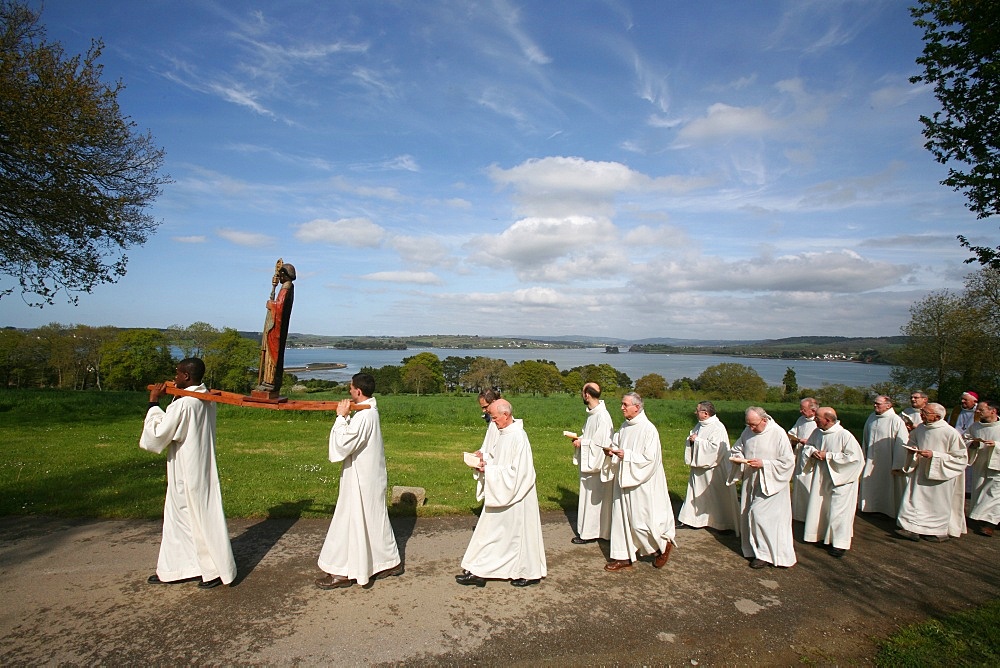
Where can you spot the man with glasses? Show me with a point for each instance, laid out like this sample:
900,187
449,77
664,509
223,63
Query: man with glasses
884,442
932,504
763,460
918,400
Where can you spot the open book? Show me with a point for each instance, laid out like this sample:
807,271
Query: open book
570,434
471,460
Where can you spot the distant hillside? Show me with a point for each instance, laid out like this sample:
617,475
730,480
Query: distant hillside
871,350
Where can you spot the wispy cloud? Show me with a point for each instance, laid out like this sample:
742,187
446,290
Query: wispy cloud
243,238
351,232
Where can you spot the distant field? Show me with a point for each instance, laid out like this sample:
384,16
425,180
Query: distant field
76,454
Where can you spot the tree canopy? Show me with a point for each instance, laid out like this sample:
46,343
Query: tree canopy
960,60
75,175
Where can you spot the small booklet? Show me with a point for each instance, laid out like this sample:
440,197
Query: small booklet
570,434
738,460
471,460
910,447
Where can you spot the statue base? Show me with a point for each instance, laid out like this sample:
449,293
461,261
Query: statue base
267,397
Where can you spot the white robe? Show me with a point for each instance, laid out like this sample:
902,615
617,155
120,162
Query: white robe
709,502
594,509
913,414
765,499
642,519
802,428
985,504
833,492
195,535
933,500
507,542
360,541
884,440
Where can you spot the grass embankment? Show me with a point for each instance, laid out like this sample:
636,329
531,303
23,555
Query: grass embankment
970,638
76,454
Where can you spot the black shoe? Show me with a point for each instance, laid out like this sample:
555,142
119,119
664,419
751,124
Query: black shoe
210,584
758,563
521,582
470,579
837,552
154,579
576,540
908,535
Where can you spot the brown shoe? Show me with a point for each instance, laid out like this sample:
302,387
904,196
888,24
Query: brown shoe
661,559
333,582
618,565
389,572
985,530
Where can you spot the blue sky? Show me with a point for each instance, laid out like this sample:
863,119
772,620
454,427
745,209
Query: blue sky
722,169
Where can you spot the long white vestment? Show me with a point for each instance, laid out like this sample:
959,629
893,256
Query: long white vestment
802,428
709,502
642,519
884,443
507,542
933,497
195,535
765,498
833,492
985,504
594,509
360,541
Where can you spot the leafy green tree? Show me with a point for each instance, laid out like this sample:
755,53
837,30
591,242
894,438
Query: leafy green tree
651,386
732,381
89,344
136,358
388,378
13,362
454,368
609,378
961,60
486,373
537,376
195,339
572,382
231,361
941,345
75,176
790,384
430,381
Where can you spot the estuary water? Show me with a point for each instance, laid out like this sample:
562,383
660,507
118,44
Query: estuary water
808,373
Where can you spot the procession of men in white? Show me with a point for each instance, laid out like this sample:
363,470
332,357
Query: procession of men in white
911,470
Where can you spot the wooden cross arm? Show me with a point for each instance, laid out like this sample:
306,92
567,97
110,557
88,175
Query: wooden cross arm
237,399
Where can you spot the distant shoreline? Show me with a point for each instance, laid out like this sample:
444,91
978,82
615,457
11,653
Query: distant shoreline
316,366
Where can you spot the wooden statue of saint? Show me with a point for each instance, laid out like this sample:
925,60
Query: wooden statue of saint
272,341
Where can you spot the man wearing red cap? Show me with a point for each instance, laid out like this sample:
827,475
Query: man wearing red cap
963,415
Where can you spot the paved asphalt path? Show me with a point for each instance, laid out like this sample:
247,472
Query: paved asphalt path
75,592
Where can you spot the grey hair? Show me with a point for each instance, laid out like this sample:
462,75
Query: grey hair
707,406
758,411
636,399
939,409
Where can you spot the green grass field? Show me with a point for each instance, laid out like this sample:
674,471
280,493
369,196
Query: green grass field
76,454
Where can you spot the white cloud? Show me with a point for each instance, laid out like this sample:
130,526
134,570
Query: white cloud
722,121
840,272
418,277
351,232
194,239
241,238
